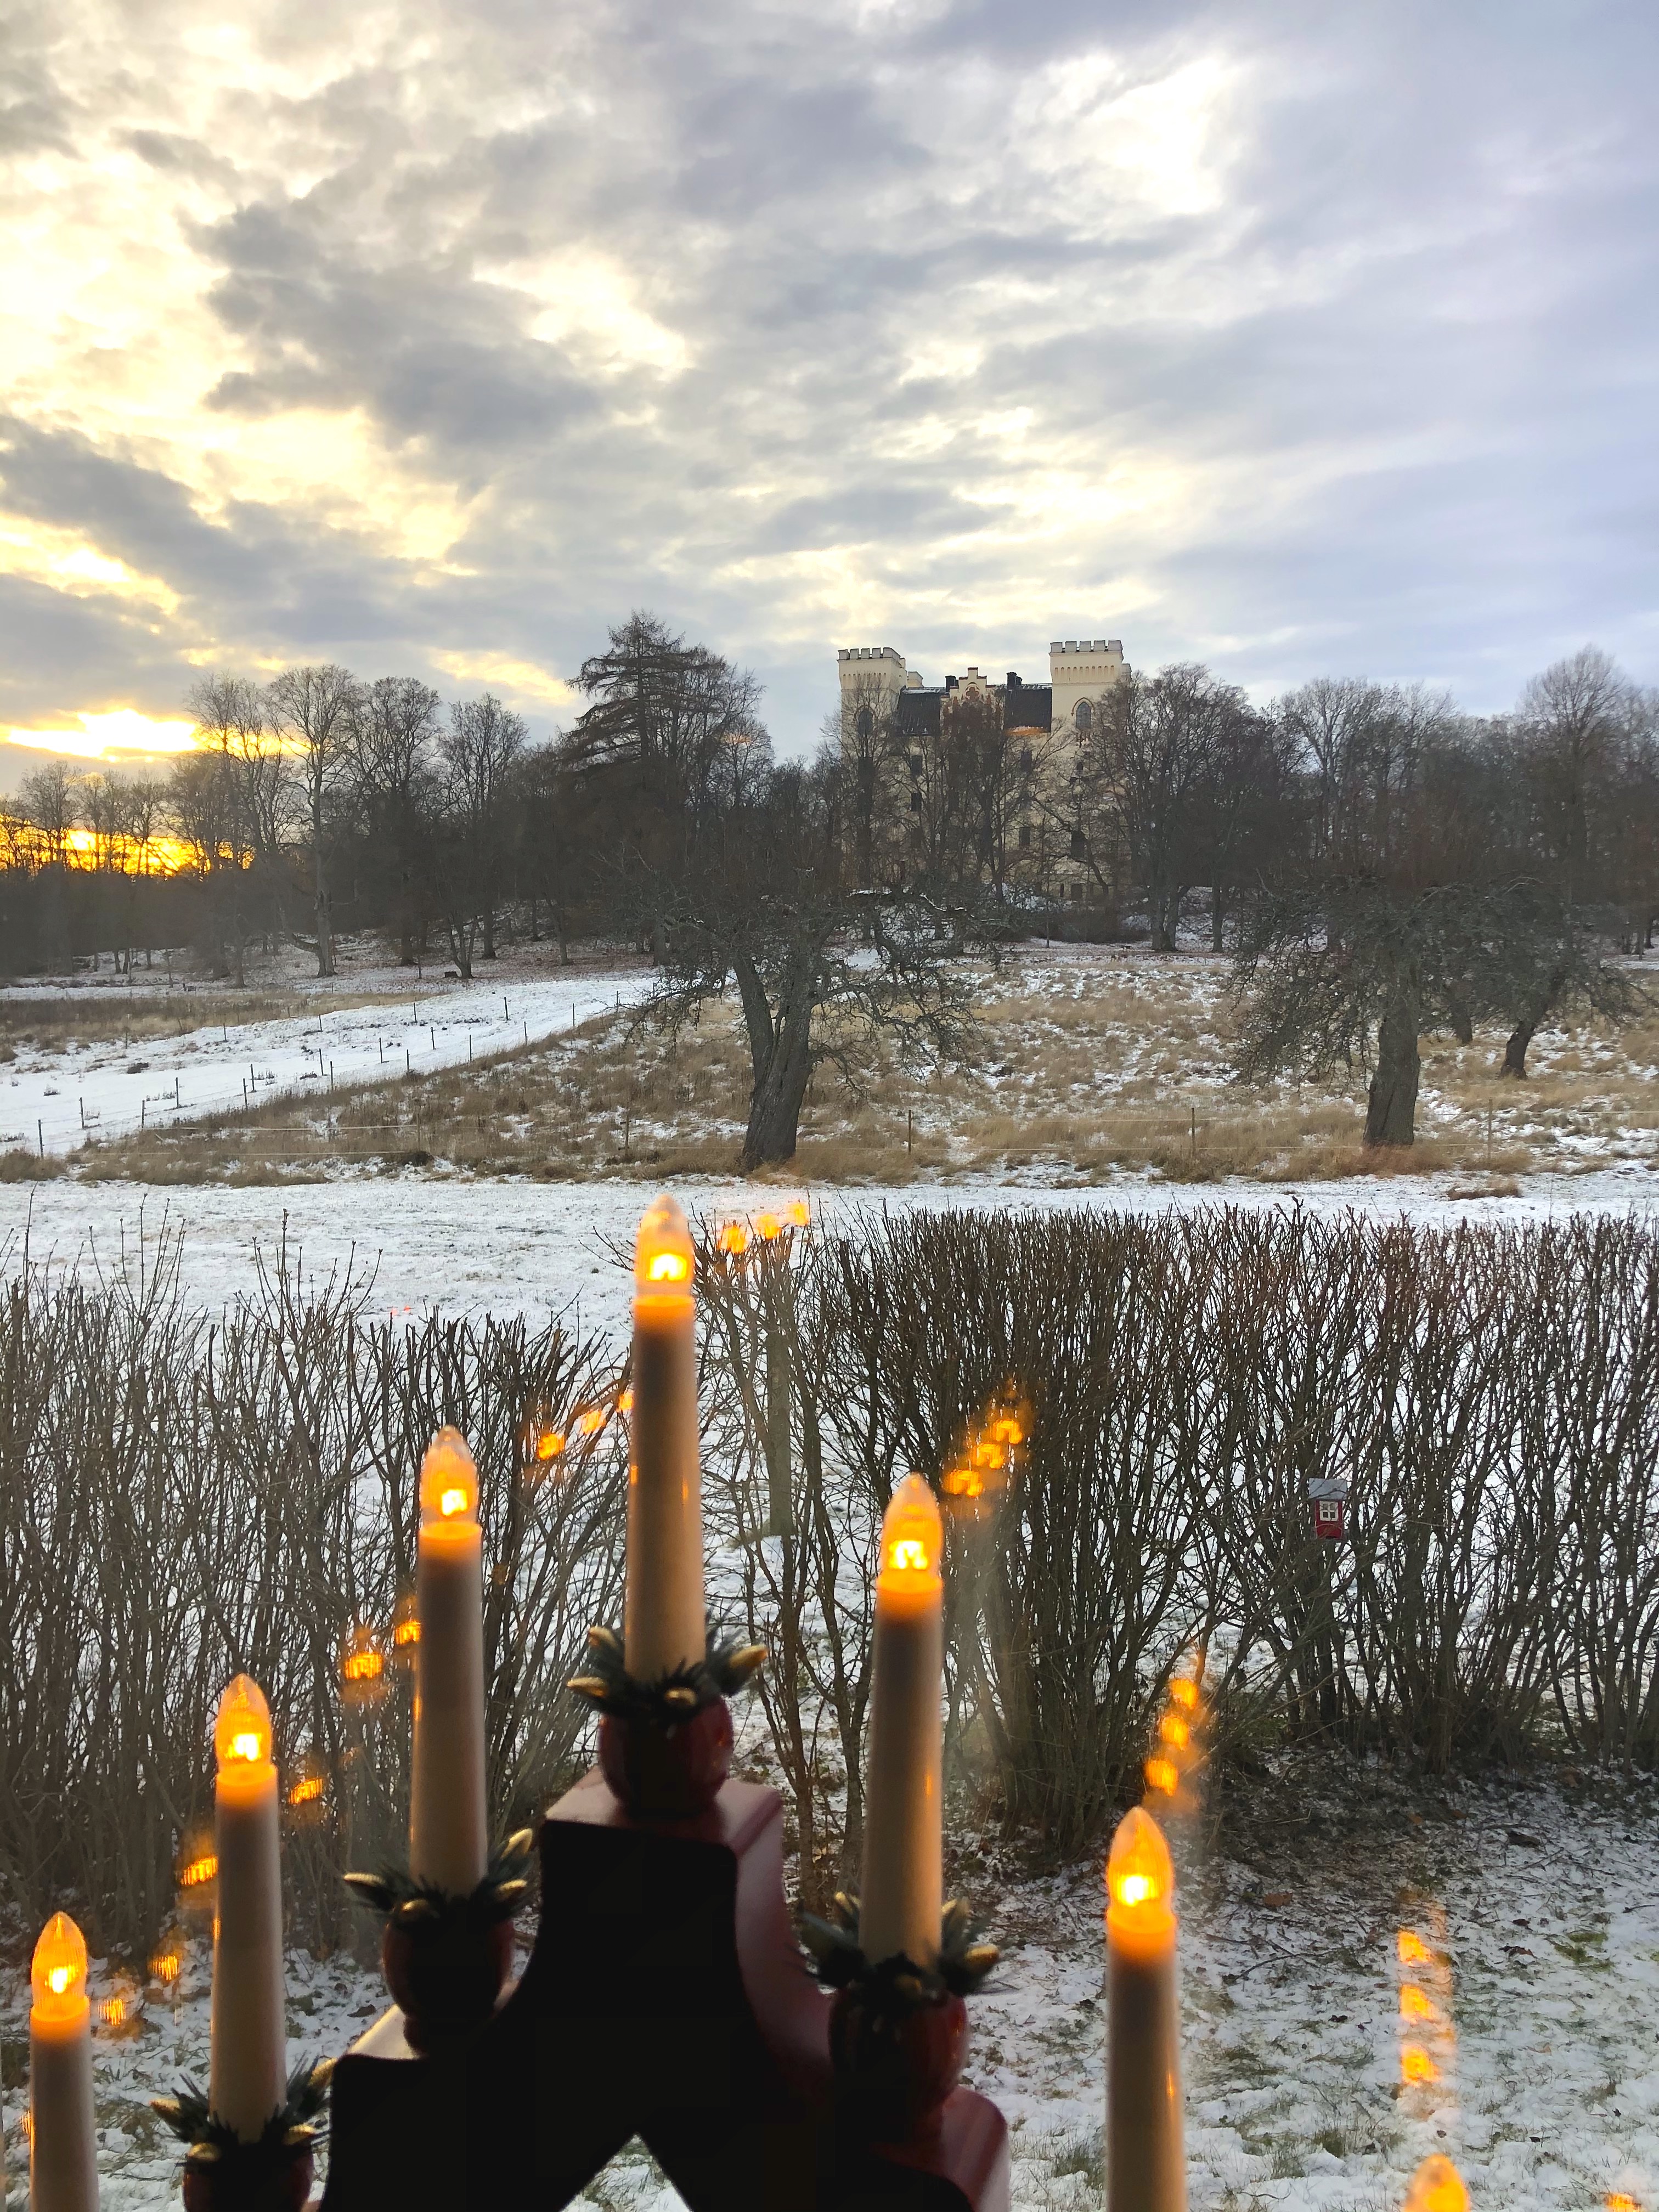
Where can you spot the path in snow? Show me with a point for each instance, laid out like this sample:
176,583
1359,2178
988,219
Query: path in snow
51,1100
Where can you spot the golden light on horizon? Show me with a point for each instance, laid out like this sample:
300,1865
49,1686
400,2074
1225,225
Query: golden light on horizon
106,737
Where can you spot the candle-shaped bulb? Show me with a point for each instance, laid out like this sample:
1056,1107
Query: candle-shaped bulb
912,1540
1438,2186
58,1974
1140,1878
449,1482
241,1734
63,2140
663,1257
902,1896
733,1238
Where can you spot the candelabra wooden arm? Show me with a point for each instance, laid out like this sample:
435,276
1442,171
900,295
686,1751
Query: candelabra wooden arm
665,1997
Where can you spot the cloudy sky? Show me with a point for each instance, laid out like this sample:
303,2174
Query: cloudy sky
433,337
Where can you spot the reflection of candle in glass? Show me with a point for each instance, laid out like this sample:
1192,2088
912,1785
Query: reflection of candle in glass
903,1896
62,2149
1145,2165
1438,2186
248,2081
447,1830
664,1625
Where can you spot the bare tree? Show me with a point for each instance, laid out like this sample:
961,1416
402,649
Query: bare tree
1357,969
762,904
480,748
1146,776
51,797
315,709
1572,723
394,741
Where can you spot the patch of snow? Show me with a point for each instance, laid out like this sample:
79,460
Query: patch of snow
52,1101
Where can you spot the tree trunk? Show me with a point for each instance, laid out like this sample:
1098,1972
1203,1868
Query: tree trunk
1463,1025
1515,1052
1218,919
324,928
1158,904
1391,1107
780,1053
1530,1021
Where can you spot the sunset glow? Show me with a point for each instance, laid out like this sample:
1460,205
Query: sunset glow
112,736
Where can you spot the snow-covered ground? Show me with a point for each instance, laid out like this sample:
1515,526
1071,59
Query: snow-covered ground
1540,1916
52,1099
522,1247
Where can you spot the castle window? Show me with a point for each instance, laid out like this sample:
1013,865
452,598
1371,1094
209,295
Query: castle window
915,802
1024,835
915,763
1084,716
865,723
1025,760
1079,847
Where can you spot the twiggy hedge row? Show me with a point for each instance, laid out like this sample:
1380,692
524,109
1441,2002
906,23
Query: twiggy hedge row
1493,1394
181,1497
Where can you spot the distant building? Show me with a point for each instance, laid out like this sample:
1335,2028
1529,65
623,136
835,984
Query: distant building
891,723
875,680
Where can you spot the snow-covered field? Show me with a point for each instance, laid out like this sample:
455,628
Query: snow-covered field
532,1248
52,1099
1540,1916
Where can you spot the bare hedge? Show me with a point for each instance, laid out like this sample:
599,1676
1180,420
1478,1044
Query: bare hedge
1491,1392
183,1496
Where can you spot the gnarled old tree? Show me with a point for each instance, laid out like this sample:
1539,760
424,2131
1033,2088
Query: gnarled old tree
820,970
1354,971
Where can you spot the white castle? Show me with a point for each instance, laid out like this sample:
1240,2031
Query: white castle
877,683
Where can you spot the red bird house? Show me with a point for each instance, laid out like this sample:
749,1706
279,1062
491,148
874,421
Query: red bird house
1329,1495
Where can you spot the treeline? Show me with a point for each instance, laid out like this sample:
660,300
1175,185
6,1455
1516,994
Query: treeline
315,803
1173,779
181,1497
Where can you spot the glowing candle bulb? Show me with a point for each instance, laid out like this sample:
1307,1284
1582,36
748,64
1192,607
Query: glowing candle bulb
447,1831
664,1625
1145,2162
63,2147
901,1898
248,2075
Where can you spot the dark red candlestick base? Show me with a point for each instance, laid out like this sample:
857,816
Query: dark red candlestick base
247,2184
894,2072
667,1773
446,1980
667,1998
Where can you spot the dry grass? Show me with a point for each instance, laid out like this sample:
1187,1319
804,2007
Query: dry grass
1091,1065
50,1022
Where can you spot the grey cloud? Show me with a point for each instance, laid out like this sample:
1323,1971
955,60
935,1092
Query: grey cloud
1383,403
